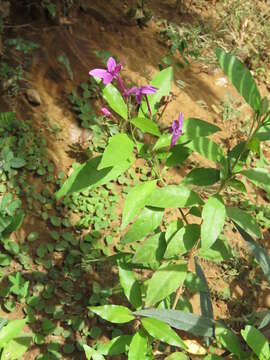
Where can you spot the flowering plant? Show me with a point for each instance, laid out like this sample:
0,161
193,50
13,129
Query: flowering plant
172,252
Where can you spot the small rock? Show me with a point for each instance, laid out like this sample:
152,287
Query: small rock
33,97
221,81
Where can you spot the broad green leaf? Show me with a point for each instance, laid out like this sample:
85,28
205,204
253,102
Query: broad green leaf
172,229
194,283
193,128
212,357
147,221
162,331
259,176
173,196
218,252
162,81
88,176
213,216
16,348
164,282
257,342
118,150
116,346
205,299
228,339
15,223
151,251
163,141
264,133
207,148
258,252
244,220
238,185
130,285
115,100
202,177
177,356
182,241
195,324
91,353
138,346
178,154
146,126
10,331
114,313
136,200
240,77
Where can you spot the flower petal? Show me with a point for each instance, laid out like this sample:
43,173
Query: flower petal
175,137
148,89
111,64
180,121
132,90
138,98
108,78
106,112
117,69
100,73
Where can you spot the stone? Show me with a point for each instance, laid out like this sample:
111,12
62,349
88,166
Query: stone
33,97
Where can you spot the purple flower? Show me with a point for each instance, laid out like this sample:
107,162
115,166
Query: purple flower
140,91
106,112
107,75
176,129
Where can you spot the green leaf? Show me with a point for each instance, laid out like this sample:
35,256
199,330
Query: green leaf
136,200
173,196
257,342
179,154
228,339
258,252
91,353
212,357
202,177
264,133
16,348
193,128
259,177
118,150
182,241
164,282
88,176
130,285
177,356
162,331
146,126
116,346
138,347
240,77
114,313
213,216
205,299
10,331
194,283
162,81
238,185
151,251
244,220
220,251
115,100
195,324
147,221
207,148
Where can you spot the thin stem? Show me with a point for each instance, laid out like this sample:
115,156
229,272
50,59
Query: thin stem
177,296
148,105
183,216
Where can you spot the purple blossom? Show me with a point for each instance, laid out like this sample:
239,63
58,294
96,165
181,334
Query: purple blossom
108,75
176,129
106,112
140,91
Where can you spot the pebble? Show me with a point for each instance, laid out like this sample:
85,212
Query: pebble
33,97
222,81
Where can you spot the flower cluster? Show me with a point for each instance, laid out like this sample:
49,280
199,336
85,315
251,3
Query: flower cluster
112,73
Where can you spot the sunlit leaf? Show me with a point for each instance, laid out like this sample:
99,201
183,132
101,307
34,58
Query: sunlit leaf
164,282
257,342
202,177
240,77
138,346
116,346
130,285
113,313
162,331
146,125
243,219
115,100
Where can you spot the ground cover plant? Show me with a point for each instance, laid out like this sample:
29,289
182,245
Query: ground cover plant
130,227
